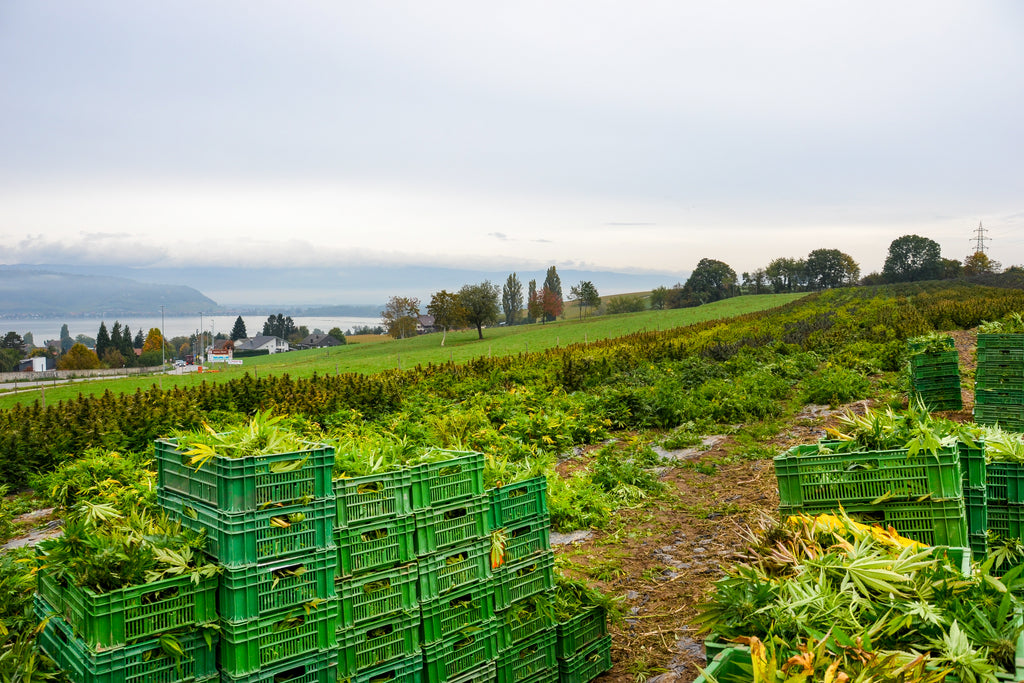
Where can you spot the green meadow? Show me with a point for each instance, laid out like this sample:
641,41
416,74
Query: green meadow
460,347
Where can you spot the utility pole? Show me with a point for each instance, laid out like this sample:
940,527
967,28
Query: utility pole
163,342
979,239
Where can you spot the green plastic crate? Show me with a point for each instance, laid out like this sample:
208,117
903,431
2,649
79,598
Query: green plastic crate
141,662
523,620
930,523
375,545
247,538
105,620
256,591
451,525
459,654
380,594
1010,418
524,501
583,629
520,662
468,606
49,588
987,375
1005,482
934,373
525,539
246,484
1001,356
1005,519
250,646
1000,384
587,664
937,404
513,582
933,359
405,670
549,676
454,568
947,383
373,496
320,667
1000,341
960,558
438,483
976,506
380,642
730,663
713,646
999,397
485,673
806,477
979,546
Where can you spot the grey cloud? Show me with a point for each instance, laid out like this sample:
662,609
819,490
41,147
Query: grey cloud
88,248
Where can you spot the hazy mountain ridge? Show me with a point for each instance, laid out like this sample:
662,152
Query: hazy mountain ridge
308,289
43,293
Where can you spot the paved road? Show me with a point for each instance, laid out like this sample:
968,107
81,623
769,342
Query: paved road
32,385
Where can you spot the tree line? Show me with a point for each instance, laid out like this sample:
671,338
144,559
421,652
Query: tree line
480,305
910,258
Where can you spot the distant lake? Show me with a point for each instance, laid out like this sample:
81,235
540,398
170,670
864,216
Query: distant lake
49,328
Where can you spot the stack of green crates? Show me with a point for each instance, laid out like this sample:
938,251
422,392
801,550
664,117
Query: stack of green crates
584,647
921,497
975,484
999,381
998,507
523,582
379,628
268,521
118,636
453,546
935,377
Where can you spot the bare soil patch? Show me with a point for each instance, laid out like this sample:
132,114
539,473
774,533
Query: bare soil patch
661,559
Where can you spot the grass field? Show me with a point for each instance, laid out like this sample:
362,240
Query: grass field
374,355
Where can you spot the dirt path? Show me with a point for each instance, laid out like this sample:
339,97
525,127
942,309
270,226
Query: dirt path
965,341
662,559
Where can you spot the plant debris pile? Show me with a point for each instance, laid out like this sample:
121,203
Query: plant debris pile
837,596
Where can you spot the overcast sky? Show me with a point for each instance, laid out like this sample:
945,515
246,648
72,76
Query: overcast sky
601,135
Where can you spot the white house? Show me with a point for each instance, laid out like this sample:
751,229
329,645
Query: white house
318,341
36,364
262,342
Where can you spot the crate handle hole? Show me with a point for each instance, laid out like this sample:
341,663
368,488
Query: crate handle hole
370,487
462,601
464,643
160,595
377,586
290,674
380,631
291,571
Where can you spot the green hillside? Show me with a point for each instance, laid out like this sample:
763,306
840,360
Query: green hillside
460,347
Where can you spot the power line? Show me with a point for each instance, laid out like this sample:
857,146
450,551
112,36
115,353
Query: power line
979,239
